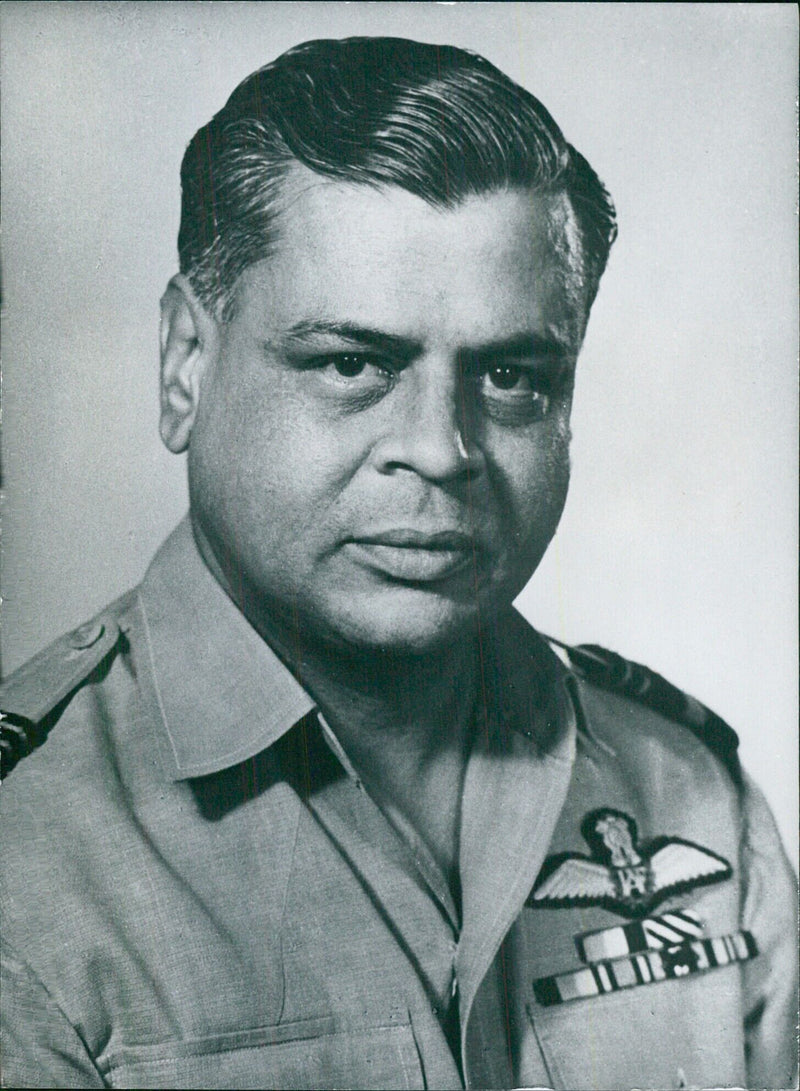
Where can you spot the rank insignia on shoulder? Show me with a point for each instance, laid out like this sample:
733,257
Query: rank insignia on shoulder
613,673
31,697
622,875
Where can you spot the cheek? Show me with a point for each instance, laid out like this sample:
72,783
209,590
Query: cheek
264,466
531,499
537,478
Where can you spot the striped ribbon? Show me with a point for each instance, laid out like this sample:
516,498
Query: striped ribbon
653,933
645,968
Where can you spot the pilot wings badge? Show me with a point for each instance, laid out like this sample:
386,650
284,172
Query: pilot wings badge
622,875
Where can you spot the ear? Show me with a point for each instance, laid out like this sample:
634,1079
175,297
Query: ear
189,338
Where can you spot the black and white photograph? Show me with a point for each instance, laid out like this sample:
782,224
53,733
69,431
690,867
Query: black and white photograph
399,545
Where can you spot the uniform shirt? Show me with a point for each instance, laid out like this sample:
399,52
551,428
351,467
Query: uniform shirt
198,892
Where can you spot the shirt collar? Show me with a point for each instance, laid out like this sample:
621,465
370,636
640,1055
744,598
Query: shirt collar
222,693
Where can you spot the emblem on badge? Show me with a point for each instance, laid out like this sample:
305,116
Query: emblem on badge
621,874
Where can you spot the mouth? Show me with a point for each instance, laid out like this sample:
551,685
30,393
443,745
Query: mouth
414,556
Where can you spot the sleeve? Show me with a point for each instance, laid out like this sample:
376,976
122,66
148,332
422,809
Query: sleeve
769,911
40,1048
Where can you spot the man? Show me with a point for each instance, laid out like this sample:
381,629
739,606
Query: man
312,806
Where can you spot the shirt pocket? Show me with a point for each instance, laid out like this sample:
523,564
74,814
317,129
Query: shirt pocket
684,1033
312,1053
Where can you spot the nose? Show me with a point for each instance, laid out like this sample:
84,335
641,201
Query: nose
431,428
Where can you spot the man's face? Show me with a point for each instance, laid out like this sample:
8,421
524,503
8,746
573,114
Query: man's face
381,446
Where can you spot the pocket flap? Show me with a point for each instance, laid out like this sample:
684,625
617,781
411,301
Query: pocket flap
314,1053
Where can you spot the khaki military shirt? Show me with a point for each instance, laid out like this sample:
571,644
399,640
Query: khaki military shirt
198,892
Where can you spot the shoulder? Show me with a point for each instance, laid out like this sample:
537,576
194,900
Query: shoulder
64,714
645,706
36,695
70,714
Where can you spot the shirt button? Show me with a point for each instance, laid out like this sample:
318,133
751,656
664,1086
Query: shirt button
86,635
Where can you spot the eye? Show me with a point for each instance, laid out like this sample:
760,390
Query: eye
355,368
505,378
514,394
363,376
349,365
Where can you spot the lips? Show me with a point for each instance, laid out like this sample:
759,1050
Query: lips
414,555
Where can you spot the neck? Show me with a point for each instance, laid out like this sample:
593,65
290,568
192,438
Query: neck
421,702
405,724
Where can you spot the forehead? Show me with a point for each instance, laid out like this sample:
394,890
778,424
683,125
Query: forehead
384,257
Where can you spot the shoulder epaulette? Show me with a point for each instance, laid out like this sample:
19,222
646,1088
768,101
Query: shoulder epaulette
32,693
612,672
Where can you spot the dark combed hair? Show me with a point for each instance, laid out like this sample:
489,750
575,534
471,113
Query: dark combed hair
437,121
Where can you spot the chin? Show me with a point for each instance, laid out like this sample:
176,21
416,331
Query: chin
412,625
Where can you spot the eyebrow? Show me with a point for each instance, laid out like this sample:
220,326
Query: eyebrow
522,345
358,335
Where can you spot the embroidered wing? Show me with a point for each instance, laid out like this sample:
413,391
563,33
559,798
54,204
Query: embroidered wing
576,879
679,863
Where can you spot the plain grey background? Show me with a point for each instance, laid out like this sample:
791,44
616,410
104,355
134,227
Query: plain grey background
678,547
